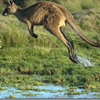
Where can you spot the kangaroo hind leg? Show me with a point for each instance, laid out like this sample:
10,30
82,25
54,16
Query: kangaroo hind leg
55,30
72,55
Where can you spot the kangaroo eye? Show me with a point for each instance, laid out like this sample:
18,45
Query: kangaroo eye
7,9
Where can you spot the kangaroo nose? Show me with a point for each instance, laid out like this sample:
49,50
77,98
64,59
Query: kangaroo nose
4,14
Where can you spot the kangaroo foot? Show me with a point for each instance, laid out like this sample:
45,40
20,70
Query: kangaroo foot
73,58
72,55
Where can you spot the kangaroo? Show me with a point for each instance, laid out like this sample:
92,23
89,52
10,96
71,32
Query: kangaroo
53,17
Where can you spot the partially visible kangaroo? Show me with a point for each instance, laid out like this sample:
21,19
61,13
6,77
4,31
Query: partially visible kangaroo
53,17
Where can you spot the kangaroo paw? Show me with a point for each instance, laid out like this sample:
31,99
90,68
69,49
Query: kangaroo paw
34,35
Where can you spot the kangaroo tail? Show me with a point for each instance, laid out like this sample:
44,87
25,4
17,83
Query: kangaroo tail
78,30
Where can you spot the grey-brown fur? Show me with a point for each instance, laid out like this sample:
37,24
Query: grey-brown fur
53,17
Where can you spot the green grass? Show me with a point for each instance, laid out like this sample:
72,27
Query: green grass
23,58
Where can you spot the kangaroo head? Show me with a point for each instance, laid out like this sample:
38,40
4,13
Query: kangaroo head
11,9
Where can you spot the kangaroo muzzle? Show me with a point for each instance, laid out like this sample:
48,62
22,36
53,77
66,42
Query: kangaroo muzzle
4,14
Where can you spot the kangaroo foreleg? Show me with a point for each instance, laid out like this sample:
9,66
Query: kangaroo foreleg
30,28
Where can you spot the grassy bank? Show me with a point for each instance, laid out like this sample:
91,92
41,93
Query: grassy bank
23,58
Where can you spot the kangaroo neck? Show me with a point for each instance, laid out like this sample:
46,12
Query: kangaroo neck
19,15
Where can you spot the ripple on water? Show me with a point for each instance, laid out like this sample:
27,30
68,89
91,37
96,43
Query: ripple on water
61,92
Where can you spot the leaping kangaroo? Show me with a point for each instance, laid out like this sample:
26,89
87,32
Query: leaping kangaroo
53,17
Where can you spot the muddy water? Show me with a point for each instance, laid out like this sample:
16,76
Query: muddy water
50,91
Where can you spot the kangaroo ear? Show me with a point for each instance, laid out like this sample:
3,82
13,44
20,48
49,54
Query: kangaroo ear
10,2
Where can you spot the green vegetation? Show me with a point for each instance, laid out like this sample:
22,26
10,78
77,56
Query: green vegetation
11,97
2,88
26,61
72,6
30,94
19,91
